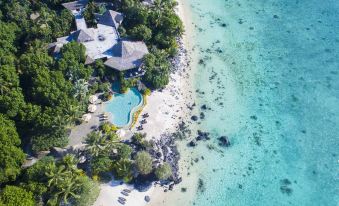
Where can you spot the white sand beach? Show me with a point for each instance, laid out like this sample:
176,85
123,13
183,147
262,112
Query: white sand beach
111,191
166,108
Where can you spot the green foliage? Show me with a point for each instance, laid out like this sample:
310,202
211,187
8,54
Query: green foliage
163,172
157,25
100,68
157,69
100,164
88,192
37,171
147,92
138,138
143,162
11,156
89,16
72,62
141,33
122,169
16,196
124,151
57,138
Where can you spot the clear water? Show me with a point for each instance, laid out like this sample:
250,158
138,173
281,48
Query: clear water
121,106
270,74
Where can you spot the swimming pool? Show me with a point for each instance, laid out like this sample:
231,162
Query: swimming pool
122,107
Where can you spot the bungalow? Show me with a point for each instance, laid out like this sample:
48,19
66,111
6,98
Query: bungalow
104,42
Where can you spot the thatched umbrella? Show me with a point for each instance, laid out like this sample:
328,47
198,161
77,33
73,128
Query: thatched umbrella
86,117
121,133
93,98
92,108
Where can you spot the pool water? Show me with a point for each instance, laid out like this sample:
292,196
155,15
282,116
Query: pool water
122,106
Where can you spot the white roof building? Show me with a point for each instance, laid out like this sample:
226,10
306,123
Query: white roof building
103,41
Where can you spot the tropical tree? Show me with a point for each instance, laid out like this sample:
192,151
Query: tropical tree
11,156
163,172
143,162
67,190
16,196
95,144
123,170
80,89
56,174
70,162
157,69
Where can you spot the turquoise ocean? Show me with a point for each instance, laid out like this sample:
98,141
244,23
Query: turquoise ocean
269,71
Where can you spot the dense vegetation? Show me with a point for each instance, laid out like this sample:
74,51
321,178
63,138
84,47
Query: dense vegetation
42,97
157,25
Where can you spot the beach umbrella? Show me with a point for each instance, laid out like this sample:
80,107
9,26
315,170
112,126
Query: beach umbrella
92,108
121,132
93,98
86,117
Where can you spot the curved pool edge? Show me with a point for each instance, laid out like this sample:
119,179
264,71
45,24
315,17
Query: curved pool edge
130,114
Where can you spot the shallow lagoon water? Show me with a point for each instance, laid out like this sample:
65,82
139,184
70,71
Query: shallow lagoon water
269,72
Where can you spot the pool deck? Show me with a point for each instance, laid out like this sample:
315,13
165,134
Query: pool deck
80,132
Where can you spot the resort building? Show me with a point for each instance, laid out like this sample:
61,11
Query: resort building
104,42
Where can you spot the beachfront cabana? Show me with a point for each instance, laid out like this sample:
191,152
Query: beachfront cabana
92,108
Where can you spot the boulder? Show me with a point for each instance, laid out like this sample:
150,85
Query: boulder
193,143
147,198
224,141
194,118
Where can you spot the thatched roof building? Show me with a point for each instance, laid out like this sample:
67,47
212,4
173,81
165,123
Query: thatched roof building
127,55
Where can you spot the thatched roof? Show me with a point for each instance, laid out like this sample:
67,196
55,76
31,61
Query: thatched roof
75,5
81,36
111,18
127,55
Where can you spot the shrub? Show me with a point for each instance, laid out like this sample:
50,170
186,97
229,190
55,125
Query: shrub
143,162
46,141
11,156
157,69
163,172
138,138
124,151
16,196
123,170
147,92
141,33
88,192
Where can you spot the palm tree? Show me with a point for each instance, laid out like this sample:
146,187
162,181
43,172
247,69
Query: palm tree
68,189
95,144
59,122
123,169
55,174
80,89
72,112
70,162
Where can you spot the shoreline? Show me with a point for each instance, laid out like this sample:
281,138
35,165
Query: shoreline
167,108
184,83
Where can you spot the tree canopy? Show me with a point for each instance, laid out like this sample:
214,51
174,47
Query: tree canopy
16,196
143,162
11,155
163,172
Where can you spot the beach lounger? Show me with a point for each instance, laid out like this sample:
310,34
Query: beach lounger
126,190
121,202
124,193
123,199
